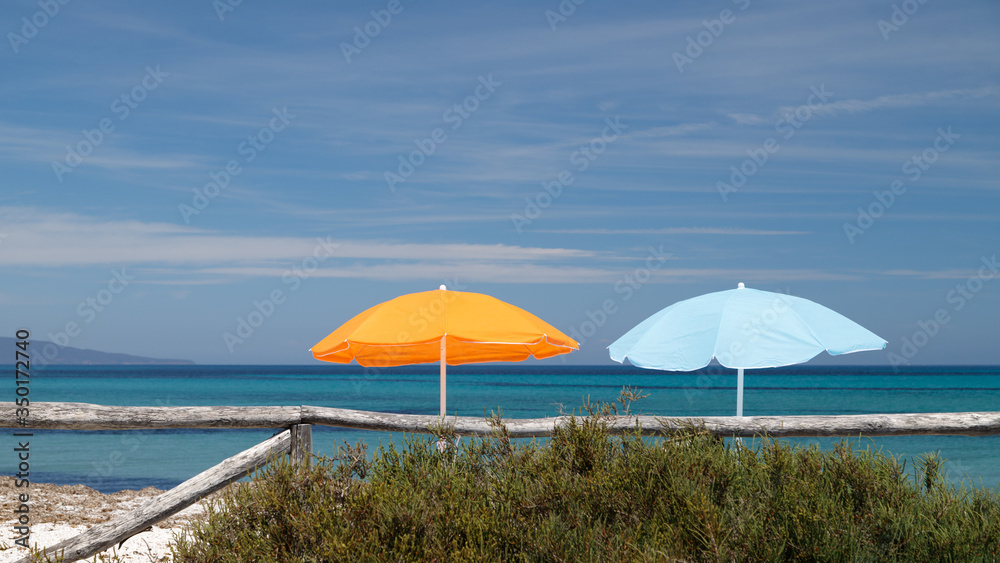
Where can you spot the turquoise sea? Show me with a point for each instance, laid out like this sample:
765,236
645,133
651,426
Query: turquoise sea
111,461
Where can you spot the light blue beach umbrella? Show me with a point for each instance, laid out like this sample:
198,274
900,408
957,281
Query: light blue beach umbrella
742,328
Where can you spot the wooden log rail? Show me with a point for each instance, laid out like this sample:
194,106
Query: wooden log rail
960,424
83,416
102,536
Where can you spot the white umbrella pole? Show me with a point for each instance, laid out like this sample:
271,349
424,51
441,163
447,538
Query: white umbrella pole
739,392
444,376
739,397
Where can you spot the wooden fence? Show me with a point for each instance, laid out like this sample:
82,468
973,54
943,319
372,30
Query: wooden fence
296,440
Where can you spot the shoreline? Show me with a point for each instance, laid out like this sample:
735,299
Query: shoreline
59,512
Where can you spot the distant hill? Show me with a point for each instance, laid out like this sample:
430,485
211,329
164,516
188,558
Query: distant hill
67,355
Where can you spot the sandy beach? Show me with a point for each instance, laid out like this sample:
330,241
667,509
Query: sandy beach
59,512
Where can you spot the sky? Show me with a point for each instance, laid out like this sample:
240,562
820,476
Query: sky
172,169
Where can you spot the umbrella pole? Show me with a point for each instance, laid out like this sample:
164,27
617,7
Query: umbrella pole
444,376
739,397
739,392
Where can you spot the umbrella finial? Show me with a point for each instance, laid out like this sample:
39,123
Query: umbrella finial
443,288
740,286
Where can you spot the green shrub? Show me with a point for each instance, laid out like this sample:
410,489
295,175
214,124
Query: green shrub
585,495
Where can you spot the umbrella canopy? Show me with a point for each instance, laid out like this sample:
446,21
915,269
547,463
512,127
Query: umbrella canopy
452,327
741,328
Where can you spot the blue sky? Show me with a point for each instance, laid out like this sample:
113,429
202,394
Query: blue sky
168,167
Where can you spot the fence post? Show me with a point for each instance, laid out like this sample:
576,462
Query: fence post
302,444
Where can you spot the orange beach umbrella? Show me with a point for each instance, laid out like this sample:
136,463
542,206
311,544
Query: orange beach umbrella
453,327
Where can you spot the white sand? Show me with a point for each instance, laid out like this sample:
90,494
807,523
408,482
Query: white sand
60,512
150,546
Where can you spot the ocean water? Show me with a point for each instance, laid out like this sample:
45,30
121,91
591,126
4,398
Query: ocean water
111,461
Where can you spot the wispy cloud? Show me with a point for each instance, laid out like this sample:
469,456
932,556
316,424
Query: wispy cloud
895,101
891,101
669,131
946,274
29,143
180,255
681,275
486,272
748,119
466,271
63,239
676,231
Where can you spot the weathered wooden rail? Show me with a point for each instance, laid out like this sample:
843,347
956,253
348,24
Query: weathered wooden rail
83,416
296,440
99,537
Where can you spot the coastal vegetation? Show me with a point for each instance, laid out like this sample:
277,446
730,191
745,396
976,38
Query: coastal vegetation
587,495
